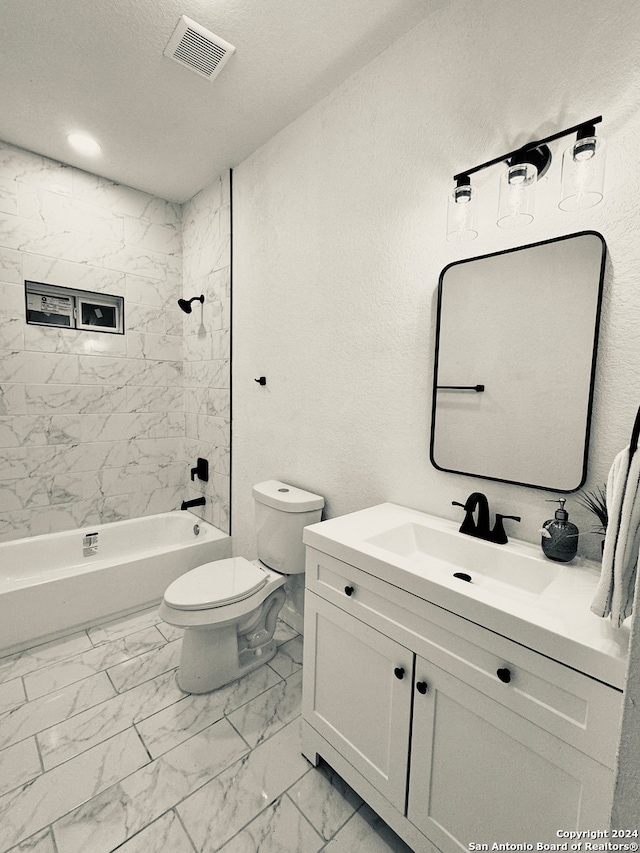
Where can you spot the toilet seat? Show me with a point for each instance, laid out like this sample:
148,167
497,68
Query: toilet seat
216,584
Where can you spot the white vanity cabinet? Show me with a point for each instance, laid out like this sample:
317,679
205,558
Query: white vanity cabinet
362,689
454,734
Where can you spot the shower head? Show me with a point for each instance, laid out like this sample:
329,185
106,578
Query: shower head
185,304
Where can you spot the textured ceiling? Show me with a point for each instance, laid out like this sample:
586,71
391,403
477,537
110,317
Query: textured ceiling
99,67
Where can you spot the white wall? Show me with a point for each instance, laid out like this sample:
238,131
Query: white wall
339,239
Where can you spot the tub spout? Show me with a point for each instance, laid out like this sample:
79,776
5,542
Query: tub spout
195,502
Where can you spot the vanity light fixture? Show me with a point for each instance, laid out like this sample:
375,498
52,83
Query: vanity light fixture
582,182
518,185
461,213
583,171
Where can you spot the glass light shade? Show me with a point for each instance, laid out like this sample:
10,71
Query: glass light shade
461,215
582,174
517,195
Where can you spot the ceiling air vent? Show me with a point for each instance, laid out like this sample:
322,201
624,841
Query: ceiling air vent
198,48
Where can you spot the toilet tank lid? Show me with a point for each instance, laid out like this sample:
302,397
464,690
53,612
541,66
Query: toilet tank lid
287,498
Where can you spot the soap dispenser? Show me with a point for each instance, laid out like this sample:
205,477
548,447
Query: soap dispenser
559,535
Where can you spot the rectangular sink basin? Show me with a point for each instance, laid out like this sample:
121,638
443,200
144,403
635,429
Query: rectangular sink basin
504,569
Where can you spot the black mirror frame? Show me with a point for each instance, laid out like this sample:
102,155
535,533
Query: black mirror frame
481,388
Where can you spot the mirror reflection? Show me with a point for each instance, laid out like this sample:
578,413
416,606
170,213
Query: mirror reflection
516,344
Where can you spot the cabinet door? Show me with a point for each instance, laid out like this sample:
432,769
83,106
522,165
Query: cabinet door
357,695
480,773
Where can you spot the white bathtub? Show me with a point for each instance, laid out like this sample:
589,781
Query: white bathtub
53,584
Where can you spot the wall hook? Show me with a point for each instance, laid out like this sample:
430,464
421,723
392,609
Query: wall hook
261,381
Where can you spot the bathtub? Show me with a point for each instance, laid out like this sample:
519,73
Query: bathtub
53,584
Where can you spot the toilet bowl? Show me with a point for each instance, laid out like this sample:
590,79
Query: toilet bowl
229,608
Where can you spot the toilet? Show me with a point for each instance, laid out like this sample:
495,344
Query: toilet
229,608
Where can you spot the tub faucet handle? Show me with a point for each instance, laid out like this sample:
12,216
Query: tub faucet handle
201,471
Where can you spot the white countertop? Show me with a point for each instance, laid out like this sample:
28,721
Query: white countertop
557,622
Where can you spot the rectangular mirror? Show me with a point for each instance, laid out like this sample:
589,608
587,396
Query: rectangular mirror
516,343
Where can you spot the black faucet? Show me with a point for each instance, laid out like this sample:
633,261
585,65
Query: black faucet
195,502
481,528
498,534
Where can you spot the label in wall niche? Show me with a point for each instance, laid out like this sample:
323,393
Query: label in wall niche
89,544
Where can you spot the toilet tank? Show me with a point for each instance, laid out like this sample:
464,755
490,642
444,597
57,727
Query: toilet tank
282,512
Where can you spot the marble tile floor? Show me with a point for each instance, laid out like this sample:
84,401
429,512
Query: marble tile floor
101,751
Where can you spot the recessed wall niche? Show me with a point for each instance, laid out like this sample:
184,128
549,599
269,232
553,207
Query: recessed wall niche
68,308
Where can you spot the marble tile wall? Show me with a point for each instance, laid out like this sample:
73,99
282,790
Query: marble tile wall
93,426
206,264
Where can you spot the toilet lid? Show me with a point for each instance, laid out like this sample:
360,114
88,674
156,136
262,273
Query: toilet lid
215,584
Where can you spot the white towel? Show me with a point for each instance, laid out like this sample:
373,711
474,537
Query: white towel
615,591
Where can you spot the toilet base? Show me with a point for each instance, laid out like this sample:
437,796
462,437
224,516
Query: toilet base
212,656
202,670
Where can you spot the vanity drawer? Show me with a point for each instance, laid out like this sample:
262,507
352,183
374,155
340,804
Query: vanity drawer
578,709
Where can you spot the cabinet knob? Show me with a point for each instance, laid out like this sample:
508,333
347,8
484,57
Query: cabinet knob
399,672
348,590
504,675
422,687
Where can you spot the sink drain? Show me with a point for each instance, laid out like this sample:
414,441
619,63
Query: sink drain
463,576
